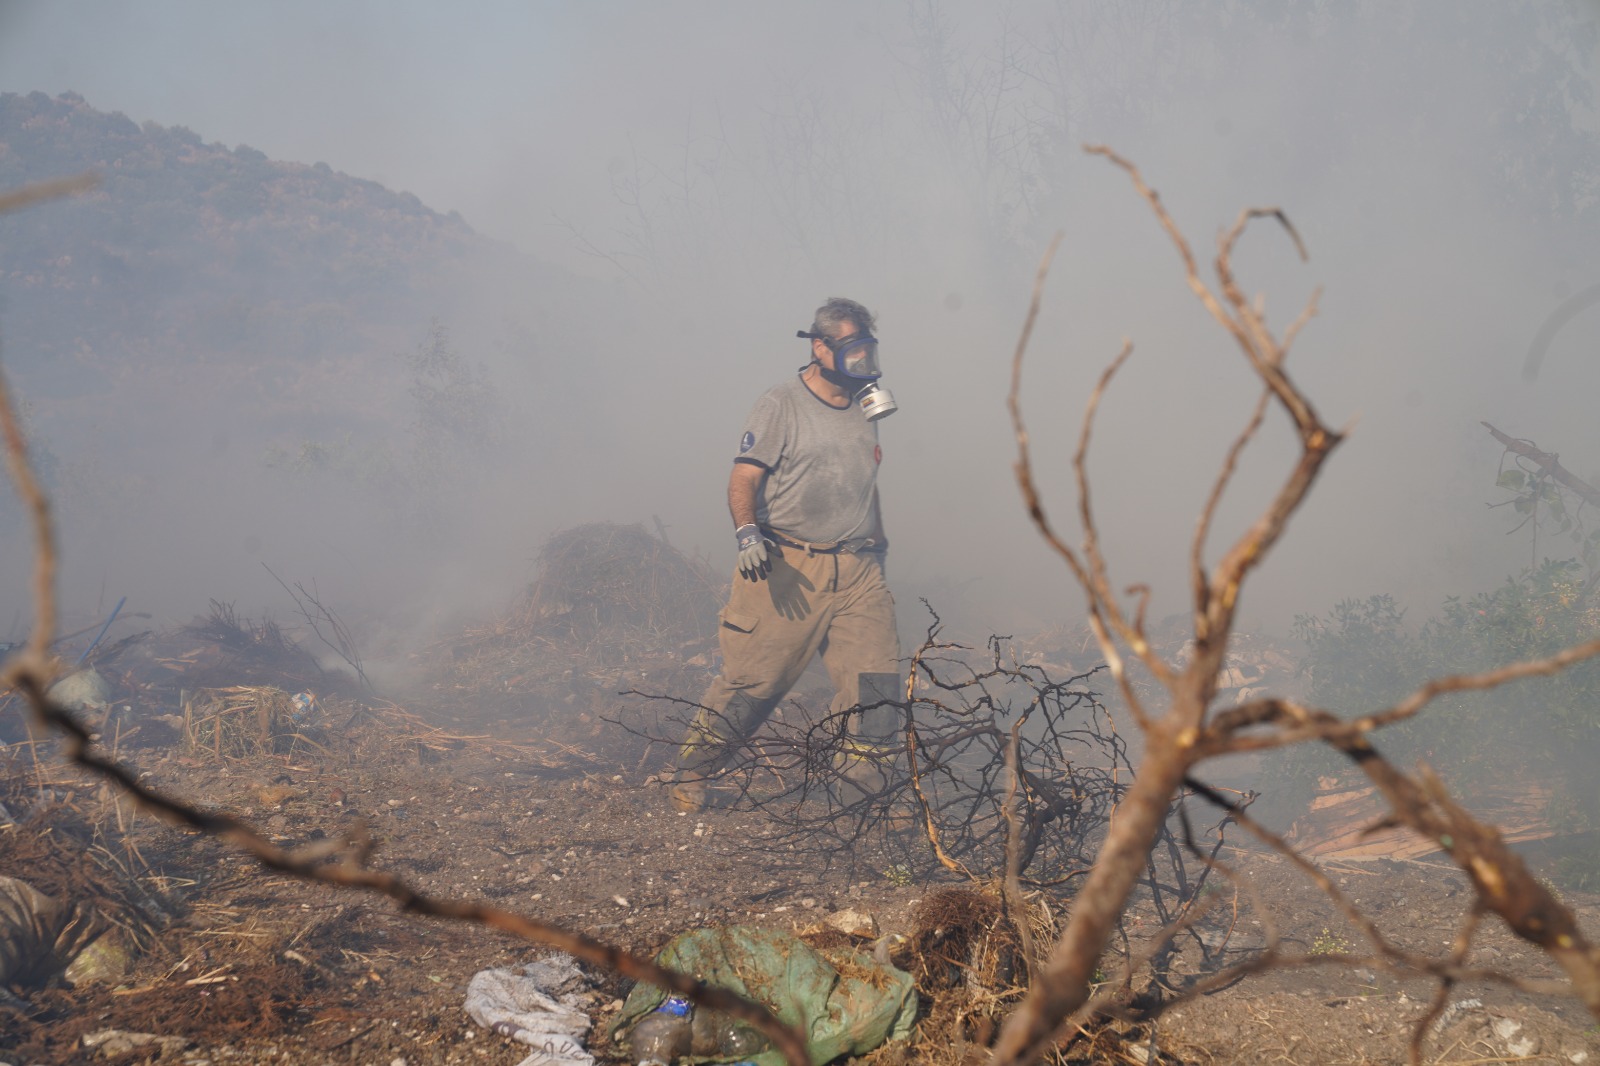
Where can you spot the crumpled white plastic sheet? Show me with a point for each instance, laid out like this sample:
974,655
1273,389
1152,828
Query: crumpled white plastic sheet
536,1004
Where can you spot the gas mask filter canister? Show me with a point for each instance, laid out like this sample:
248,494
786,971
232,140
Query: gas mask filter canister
876,402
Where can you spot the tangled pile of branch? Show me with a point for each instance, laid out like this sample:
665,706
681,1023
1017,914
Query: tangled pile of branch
995,767
222,648
946,770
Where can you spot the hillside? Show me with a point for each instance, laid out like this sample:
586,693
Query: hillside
191,254
211,345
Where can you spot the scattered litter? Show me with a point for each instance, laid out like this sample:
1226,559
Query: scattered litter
302,706
1517,1043
846,1005
537,1004
244,720
39,935
106,960
853,923
85,690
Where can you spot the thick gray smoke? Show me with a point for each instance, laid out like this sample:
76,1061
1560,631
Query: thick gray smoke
705,181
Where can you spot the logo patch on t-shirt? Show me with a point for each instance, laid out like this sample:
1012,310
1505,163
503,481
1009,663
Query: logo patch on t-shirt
747,442
877,453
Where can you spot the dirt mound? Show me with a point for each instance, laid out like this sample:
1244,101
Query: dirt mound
618,592
612,610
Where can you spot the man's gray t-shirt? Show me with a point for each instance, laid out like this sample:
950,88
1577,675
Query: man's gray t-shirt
822,464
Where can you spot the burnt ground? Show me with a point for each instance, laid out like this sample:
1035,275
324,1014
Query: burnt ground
559,816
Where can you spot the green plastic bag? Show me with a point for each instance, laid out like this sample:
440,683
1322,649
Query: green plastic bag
843,1008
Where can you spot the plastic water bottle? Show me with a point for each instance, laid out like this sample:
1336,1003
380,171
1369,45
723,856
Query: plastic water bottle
744,1041
662,1035
716,1035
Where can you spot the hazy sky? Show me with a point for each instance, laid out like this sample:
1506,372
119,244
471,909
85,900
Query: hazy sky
781,153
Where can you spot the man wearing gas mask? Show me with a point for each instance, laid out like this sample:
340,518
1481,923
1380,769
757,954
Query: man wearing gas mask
810,580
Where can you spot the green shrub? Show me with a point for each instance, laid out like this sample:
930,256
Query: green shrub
1363,656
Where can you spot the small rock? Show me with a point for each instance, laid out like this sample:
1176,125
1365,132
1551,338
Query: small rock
808,903
853,923
114,1043
276,795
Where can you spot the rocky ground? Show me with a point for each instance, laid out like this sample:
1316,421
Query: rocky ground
256,968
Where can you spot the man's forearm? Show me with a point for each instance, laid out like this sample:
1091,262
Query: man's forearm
742,490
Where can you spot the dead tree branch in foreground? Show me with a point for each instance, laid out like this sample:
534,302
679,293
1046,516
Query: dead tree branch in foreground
338,861
996,772
1181,736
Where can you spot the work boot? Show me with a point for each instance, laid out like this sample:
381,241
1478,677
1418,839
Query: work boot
864,766
866,770
689,794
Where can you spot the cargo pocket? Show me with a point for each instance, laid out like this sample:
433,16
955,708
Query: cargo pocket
739,621
740,654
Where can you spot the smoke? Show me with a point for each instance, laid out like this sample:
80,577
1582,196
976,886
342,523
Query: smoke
695,187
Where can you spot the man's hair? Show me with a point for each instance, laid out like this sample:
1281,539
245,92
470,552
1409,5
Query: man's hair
836,312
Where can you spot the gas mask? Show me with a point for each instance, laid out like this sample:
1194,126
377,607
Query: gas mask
855,362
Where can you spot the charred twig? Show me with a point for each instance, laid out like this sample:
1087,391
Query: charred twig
342,642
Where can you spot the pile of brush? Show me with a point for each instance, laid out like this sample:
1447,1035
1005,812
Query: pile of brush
621,591
242,721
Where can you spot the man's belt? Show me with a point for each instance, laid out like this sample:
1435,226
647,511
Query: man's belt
843,547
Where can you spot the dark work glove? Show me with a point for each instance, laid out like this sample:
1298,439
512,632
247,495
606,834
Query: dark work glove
753,561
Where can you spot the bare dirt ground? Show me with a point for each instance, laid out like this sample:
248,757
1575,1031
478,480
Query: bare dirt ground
253,968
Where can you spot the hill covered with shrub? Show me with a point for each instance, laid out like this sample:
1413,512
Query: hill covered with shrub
191,255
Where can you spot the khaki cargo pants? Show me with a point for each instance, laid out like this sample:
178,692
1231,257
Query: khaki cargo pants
835,605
